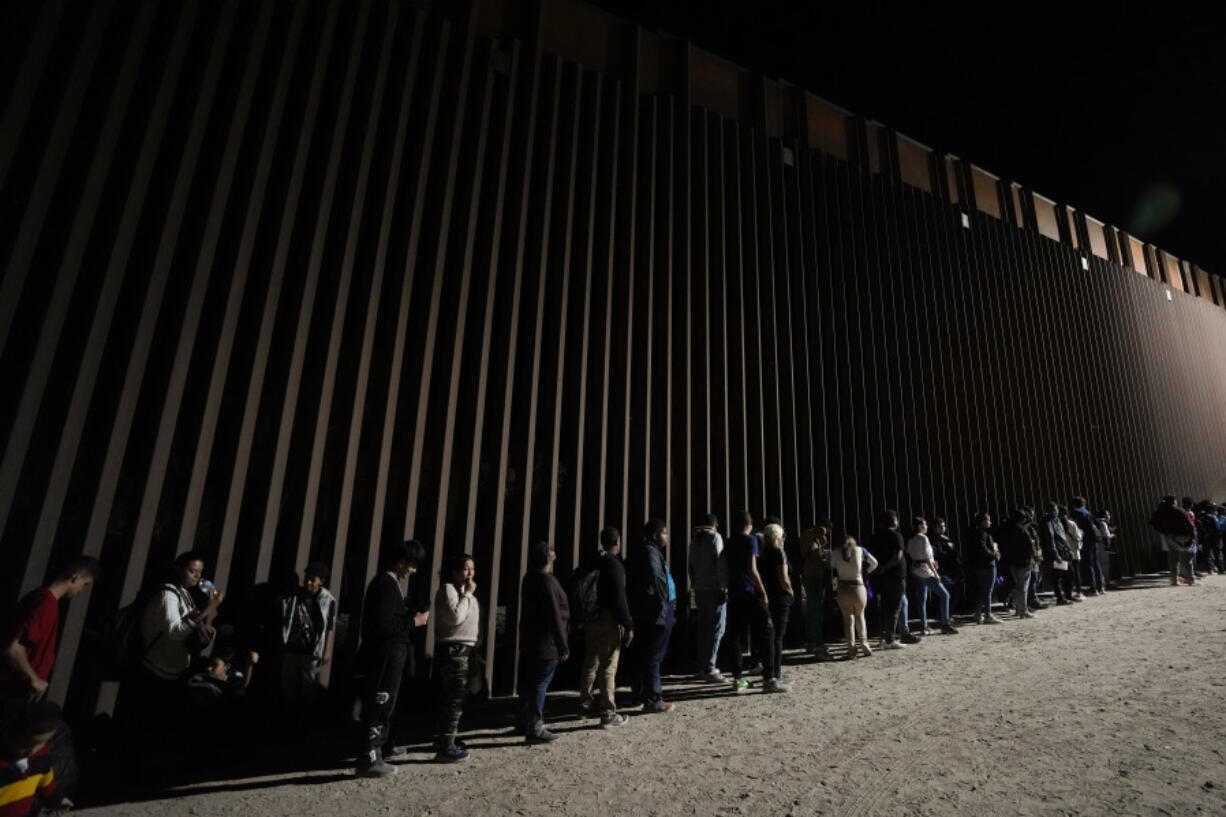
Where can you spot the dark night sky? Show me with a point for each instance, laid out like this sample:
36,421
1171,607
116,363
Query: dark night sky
1118,111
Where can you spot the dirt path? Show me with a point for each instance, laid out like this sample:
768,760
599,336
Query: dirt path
1113,706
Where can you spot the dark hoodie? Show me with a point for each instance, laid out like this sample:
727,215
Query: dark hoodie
647,585
1016,547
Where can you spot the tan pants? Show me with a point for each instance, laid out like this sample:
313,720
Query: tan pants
852,600
603,647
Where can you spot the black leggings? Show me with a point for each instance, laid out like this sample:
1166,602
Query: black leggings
781,611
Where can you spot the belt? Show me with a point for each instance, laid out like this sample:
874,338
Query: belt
852,582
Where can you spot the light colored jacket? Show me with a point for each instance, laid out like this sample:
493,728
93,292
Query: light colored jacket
457,616
165,627
708,569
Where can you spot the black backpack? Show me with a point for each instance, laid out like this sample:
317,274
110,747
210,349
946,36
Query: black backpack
122,647
583,596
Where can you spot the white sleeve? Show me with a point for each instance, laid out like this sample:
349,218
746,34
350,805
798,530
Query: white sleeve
165,615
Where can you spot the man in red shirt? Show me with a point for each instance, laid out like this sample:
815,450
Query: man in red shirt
29,651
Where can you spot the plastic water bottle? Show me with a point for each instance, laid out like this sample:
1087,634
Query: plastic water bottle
208,588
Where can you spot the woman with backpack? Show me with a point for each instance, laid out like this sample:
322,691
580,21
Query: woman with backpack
173,630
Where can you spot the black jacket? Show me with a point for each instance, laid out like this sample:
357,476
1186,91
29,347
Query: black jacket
611,589
1052,538
544,616
1016,549
979,550
386,620
647,586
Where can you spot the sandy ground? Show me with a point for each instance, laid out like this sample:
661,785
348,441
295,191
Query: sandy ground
1112,706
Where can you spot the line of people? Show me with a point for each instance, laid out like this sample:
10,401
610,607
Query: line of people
170,650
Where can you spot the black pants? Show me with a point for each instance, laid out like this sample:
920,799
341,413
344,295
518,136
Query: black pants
891,592
745,611
781,611
1057,580
380,689
1063,581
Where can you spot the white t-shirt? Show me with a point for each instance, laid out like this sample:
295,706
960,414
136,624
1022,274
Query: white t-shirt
849,569
920,551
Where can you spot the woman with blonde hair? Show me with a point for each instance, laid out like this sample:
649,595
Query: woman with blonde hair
776,578
848,563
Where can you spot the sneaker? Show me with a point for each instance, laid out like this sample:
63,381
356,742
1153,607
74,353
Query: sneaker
587,706
979,618
775,685
1078,598
739,685
909,638
927,631
892,645
658,707
948,629
1062,602
395,751
1025,614
1038,605
450,754
713,677
613,719
756,669
543,736
374,765
822,656
993,620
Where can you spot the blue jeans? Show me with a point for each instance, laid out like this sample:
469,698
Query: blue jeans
1021,583
815,610
985,585
534,677
712,617
646,685
904,616
922,587
1091,567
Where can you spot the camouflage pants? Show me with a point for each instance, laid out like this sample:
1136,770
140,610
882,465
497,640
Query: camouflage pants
453,662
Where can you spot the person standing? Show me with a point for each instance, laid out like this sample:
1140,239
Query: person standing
543,619
1030,525
612,631
458,623
949,562
1072,535
815,580
709,578
1056,552
1017,554
887,547
308,633
1178,532
775,576
848,565
387,630
748,604
1091,565
926,578
29,653
982,556
653,598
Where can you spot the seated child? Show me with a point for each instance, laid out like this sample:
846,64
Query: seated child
27,781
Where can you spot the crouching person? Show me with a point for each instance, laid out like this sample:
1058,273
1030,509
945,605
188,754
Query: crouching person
387,628
457,623
27,781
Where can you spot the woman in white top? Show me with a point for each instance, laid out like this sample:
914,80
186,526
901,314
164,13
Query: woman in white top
1074,534
847,563
924,572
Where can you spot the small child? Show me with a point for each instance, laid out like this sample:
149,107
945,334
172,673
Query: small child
27,782
219,682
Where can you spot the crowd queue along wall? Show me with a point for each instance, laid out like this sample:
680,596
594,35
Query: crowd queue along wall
284,280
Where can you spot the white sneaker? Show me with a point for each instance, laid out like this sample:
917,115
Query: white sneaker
713,677
893,645
992,620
